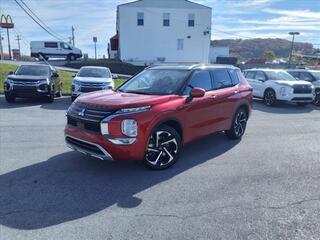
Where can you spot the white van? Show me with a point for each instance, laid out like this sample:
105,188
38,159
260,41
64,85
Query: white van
54,49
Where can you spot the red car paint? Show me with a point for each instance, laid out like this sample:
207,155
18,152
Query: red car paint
199,117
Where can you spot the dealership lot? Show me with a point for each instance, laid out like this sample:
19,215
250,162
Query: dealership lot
266,186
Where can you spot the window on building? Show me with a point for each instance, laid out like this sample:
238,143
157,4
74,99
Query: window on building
140,18
191,18
179,44
166,19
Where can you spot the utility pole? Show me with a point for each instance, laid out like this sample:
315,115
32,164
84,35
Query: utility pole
293,35
9,47
72,29
1,48
95,39
18,38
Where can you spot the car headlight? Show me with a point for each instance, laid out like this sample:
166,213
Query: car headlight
286,90
133,110
129,127
107,86
75,85
9,81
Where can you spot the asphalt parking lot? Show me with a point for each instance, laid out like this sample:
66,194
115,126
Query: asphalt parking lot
266,186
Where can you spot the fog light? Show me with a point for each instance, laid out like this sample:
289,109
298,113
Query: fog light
43,87
129,127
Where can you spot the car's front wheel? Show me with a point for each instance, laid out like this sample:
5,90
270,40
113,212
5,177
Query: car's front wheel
239,124
164,147
10,98
270,97
50,98
317,98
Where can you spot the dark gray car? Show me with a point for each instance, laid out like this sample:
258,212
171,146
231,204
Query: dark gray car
29,81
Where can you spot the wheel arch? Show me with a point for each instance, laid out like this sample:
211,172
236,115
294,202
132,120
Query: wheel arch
171,122
270,88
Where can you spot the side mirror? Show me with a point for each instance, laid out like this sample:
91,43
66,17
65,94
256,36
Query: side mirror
74,74
115,75
10,73
55,75
197,92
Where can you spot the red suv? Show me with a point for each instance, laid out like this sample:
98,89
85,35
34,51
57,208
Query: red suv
153,114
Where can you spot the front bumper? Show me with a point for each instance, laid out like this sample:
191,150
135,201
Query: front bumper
102,147
304,98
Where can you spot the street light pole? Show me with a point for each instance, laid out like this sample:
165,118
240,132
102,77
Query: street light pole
9,47
293,35
95,39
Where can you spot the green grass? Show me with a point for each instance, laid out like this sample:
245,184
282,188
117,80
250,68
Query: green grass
66,78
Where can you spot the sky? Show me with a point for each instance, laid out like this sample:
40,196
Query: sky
230,19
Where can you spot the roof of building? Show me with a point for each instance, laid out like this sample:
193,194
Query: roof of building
190,66
165,4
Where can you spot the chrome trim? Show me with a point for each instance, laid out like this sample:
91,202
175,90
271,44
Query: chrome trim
121,141
106,155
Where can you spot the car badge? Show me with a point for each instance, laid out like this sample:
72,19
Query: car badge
82,112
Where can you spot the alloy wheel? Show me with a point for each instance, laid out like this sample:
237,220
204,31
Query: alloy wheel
240,123
270,97
162,149
317,99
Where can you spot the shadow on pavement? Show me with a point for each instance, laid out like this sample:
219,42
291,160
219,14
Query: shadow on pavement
70,185
61,103
283,108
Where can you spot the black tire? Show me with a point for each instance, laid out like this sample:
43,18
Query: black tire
302,104
9,97
270,97
59,94
239,124
164,148
50,98
73,98
316,101
71,57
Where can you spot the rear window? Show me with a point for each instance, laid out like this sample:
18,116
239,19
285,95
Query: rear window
51,45
234,73
221,78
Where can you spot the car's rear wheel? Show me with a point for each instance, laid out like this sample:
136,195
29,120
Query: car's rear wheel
59,93
9,97
270,97
239,124
164,147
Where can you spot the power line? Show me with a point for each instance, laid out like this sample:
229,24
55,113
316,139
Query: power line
35,15
37,21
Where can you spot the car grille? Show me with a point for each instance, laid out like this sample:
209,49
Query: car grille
87,118
302,89
25,82
89,89
84,145
24,89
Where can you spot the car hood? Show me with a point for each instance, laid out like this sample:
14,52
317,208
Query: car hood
21,77
292,83
93,79
107,99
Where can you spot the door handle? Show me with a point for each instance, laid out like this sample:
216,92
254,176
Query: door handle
213,96
235,92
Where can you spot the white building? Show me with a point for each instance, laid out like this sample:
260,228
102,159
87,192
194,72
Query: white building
148,31
218,52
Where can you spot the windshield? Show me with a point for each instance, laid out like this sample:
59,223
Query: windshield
155,81
316,74
279,75
30,70
94,72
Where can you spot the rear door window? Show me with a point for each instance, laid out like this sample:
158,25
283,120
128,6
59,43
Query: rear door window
221,78
260,76
199,79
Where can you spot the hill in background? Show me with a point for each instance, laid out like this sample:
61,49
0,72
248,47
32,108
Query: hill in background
255,48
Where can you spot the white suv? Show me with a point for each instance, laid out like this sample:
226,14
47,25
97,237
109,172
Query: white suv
90,79
274,85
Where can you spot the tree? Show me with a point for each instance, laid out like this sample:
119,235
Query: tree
269,55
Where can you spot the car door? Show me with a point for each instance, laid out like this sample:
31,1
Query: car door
225,82
200,113
252,81
259,80
64,49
